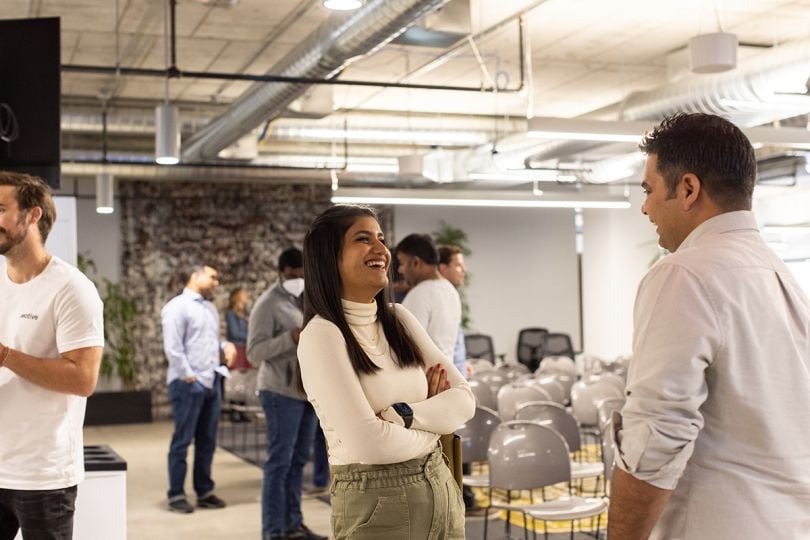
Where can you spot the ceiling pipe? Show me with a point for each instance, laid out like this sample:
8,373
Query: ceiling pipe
327,51
756,83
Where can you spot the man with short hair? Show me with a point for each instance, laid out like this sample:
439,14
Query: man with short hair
275,326
452,268
432,299
713,440
51,342
192,346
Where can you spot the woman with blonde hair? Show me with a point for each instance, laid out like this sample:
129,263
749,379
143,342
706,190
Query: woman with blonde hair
380,387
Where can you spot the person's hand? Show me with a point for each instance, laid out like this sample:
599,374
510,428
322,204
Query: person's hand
437,380
470,370
295,333
190,379
229,352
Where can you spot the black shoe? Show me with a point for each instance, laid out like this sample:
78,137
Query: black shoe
211,501
303,533
181,506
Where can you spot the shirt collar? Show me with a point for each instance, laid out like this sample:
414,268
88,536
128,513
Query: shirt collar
193,295
719,224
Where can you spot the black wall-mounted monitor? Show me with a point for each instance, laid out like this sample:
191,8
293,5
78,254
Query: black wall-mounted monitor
30,89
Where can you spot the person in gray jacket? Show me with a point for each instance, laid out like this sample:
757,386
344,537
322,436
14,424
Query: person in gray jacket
275,324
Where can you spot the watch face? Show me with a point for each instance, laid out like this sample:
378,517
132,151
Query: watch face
403,409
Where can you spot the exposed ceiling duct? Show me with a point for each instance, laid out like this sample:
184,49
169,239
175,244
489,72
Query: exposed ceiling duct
324,53
768,87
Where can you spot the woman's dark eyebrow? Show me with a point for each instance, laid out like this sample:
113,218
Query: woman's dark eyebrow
368,232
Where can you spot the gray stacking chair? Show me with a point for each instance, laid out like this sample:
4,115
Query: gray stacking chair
530,456
475,435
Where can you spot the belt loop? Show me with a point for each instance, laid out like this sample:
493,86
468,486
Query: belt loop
363,481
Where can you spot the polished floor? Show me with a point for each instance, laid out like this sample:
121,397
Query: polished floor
144,447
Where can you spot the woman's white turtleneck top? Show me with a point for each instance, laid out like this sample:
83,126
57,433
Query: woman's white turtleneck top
347,404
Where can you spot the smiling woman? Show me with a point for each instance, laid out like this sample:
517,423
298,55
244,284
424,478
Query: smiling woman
380,387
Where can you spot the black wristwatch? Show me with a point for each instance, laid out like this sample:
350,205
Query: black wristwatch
404,410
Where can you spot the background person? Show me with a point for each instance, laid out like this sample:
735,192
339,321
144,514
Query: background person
236,326
453,269
192,347
51,339
272,341
381,388
432,299
714,439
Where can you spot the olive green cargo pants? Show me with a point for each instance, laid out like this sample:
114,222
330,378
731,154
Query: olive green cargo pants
413,500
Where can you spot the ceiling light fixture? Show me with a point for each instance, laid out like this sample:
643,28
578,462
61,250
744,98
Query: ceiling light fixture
715,52
342,5
105,193
167,127
469,198
545,127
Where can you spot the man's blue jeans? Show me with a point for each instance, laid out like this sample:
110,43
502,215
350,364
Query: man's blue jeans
195,410
290,431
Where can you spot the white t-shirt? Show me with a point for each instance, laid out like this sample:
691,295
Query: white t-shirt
41,445
436,305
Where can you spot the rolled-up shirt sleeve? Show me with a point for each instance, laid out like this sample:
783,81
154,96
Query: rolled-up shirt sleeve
676,336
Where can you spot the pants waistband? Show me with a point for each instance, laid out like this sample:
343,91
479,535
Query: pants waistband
360,476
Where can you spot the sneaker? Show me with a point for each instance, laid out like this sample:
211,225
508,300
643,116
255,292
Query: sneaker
303,533
211,501
181,506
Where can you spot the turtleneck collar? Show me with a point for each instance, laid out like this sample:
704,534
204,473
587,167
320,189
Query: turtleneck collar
358,314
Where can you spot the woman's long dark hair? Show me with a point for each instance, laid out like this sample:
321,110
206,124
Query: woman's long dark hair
322,246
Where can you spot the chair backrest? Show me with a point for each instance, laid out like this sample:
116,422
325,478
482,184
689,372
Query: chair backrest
484,396
527,455
531,346
512,396
513,372
605,408
241,385
585,394
551,386
554,416
559,344
494,379
558,364
480,346
475,434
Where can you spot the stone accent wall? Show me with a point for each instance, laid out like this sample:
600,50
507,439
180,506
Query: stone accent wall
239,229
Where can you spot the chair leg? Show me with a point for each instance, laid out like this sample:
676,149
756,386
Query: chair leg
486,521
525,526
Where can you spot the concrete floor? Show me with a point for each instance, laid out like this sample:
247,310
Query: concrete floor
144,447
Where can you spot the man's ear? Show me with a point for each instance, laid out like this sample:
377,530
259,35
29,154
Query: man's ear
690,189
33,215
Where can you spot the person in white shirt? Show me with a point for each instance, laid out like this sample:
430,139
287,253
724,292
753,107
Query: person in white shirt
453,269
51,342
713,440
381,388
432,299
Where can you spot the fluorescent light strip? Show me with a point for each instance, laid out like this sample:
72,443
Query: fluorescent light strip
497,199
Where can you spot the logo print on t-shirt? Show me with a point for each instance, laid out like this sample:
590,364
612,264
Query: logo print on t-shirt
30,316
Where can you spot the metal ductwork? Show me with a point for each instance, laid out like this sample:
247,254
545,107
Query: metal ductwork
752,95
323,54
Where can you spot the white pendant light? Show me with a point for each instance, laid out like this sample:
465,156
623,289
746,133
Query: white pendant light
167,134
342,5
105,193
713,53
167,126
